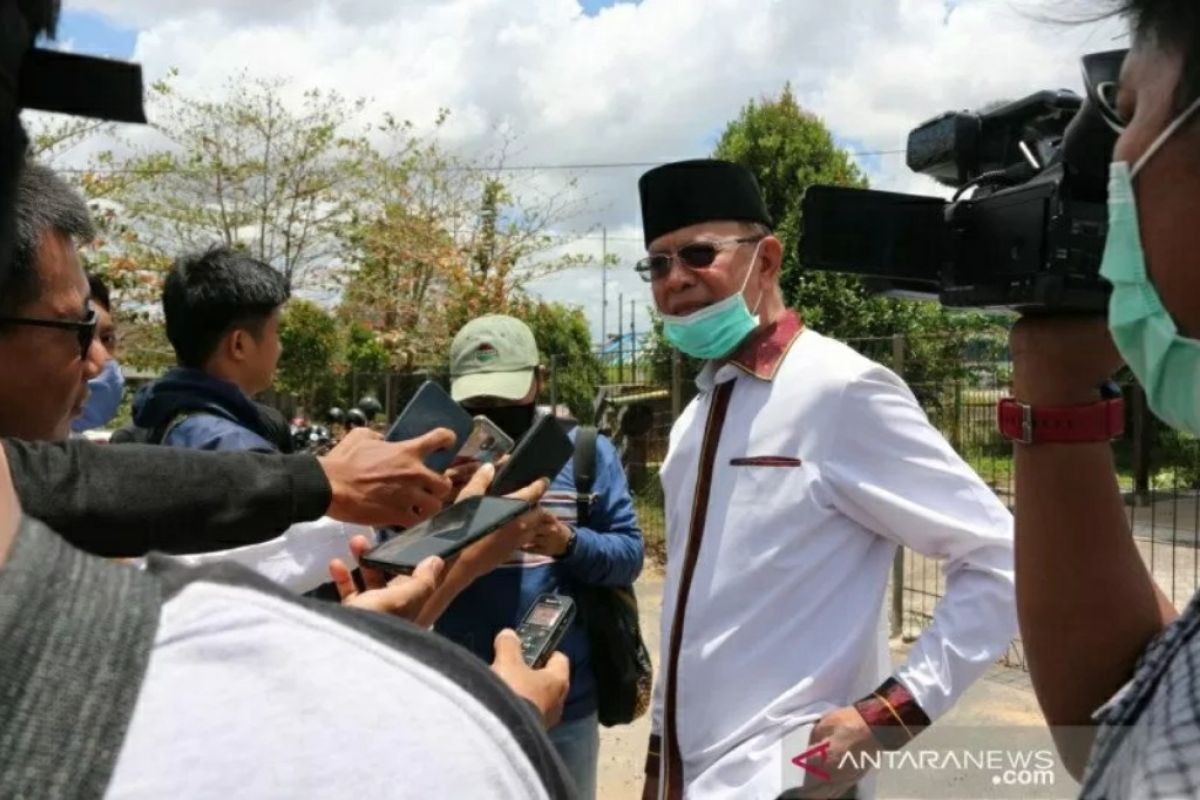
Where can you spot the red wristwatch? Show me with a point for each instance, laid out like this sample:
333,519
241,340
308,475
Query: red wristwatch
1096,422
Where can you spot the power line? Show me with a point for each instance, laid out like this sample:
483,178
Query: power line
579,167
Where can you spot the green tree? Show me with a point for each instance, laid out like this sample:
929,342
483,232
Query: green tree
565,343
311,340
364,353
789,149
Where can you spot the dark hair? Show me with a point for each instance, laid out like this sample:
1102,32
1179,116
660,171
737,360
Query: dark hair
99,289
45,203
1174,25
208,294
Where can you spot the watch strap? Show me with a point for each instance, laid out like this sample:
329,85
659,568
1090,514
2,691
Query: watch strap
1102,421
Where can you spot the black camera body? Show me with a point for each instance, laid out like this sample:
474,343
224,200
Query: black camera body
1029,238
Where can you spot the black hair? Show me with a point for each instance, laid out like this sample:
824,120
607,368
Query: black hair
208,294
1174,25
45,203
99,289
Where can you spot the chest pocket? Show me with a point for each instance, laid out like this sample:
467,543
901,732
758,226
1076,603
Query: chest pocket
766,488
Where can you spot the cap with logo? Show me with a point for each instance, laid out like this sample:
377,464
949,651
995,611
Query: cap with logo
493,356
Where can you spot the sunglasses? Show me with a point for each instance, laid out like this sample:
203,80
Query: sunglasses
85,329
1101,80
696,255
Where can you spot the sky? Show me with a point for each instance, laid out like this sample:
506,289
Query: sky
583,82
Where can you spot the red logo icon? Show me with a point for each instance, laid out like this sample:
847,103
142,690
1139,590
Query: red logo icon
819,754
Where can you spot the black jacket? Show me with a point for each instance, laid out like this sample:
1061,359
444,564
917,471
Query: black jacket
123,501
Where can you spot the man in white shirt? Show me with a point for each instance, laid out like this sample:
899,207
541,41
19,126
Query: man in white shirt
789,483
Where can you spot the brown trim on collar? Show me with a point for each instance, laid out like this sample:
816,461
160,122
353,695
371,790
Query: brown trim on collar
673,774
764,352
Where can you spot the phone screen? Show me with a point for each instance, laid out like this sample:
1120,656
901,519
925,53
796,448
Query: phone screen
545,615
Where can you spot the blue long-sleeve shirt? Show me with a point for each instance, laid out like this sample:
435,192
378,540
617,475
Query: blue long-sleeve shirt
608,552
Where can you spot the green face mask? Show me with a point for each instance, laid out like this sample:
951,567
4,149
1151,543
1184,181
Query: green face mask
714,331
1164,362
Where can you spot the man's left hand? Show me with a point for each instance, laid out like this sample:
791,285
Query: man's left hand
551,536
846,732
402,595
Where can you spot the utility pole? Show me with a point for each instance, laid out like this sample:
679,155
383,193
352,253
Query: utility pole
603,287
633,342
620,338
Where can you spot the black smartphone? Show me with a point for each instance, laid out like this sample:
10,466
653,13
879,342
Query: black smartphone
542,453
445,533
431,408
544,626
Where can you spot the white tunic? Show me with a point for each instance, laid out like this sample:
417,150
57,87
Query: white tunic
825,463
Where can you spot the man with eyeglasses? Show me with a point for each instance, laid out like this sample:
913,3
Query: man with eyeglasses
48,348
789,483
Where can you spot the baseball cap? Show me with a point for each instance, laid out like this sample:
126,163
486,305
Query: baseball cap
493,356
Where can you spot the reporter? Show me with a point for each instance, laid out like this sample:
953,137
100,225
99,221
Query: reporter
1103,643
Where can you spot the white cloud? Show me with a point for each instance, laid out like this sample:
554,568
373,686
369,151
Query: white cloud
647,82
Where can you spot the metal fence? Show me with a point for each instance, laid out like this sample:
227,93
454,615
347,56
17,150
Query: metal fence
1158,471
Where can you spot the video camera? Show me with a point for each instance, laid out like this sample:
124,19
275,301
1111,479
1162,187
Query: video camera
1031,235
48,80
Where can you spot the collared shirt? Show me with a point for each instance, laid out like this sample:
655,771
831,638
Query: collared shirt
822,465
1148,745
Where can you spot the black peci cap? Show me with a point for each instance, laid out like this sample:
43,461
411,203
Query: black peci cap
686,193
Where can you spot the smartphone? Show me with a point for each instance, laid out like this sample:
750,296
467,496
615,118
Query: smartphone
431,408
445,533
544,626
541,453
487,443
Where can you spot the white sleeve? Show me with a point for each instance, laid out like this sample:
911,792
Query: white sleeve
892,472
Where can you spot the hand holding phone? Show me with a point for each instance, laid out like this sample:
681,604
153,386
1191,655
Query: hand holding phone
431,408
544,626
446,533
541,454
546,688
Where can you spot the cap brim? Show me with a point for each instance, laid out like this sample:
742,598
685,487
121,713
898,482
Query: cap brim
504,385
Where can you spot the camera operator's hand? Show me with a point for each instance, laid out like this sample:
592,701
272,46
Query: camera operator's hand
491,551
1061,361
375,482
546,688
402,596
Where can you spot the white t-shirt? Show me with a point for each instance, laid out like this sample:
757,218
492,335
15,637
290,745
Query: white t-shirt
250,696
297,560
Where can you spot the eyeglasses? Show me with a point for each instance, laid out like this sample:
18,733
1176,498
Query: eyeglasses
1101,74
85,329
696,255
